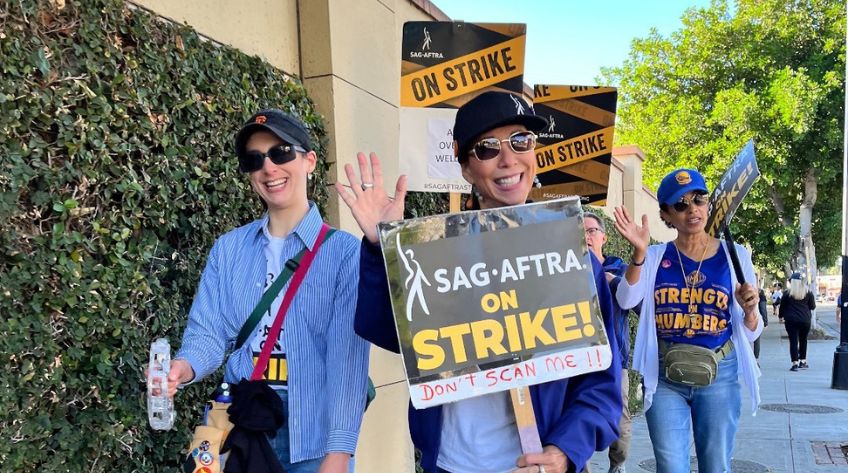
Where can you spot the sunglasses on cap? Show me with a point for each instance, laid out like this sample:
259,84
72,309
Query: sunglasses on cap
699,200
490,148
281,154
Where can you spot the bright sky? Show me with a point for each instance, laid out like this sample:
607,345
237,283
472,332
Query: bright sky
568,41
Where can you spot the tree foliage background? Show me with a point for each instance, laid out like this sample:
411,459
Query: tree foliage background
116,175
771,70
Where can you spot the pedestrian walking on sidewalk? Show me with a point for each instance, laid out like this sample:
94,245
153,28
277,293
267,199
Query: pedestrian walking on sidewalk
796,309
776,296
762,307
696,328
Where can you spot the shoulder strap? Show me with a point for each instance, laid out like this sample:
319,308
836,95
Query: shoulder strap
299,275
268,297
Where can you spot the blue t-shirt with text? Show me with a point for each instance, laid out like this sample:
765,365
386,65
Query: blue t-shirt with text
696,311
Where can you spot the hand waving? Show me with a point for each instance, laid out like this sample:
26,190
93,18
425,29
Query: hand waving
638,236
368,201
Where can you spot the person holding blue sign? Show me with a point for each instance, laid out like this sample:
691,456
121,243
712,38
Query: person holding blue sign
695,328
495,138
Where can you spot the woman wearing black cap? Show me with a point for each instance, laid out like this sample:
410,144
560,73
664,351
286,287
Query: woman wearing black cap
495,139
317,362
796,308
695,330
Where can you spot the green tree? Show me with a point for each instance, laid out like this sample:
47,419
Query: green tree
771,70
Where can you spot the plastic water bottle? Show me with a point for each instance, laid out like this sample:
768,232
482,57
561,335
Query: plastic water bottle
160,408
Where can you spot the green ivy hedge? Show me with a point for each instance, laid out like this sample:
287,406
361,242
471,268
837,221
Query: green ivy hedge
116,175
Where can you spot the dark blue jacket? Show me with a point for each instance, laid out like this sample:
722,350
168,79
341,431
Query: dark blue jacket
616,266
579,415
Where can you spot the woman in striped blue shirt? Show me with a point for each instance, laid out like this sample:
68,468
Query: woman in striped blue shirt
318,365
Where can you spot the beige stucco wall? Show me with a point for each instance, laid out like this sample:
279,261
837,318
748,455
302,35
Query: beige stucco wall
266,28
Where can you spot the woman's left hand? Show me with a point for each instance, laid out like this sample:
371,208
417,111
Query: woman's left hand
551,460
747,297
368,202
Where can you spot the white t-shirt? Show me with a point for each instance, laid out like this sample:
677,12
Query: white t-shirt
479,435
775,296
277,370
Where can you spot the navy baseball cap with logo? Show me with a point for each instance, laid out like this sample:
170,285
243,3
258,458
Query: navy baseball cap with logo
488,111
277,122
678,183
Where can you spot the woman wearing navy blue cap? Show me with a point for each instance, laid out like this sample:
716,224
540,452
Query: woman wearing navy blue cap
317,366
796,307
695,329
495,138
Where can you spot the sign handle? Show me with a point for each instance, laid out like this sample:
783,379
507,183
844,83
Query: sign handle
525,418
734,258
455,199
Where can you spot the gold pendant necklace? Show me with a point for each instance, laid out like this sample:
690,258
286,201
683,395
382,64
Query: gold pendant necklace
686,281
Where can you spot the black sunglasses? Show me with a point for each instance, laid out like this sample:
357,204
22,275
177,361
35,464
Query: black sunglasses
698,199
490,148
281,154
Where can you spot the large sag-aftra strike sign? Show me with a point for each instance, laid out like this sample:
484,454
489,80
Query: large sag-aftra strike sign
491,300
573,154
443,66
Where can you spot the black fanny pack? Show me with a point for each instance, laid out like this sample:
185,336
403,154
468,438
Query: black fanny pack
691,365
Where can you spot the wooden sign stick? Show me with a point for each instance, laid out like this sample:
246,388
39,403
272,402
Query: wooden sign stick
455,198
525,418
734,258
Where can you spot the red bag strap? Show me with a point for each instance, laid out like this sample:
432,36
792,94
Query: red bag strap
297,278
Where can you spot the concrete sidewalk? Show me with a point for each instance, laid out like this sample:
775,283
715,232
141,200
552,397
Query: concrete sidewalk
776,440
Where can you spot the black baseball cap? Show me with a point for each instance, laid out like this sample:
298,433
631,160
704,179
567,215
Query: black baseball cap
488,111
277,122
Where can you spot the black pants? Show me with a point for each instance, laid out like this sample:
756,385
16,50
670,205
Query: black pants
798,332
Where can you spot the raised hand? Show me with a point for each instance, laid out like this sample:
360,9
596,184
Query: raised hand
367,200
638,236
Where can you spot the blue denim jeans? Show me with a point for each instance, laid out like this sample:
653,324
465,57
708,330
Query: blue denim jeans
280,444
712,411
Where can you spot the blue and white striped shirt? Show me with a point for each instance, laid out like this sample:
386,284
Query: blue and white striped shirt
328,362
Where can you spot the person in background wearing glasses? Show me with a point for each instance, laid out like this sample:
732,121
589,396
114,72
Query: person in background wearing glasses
495,138
614,268
321,364
690,297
